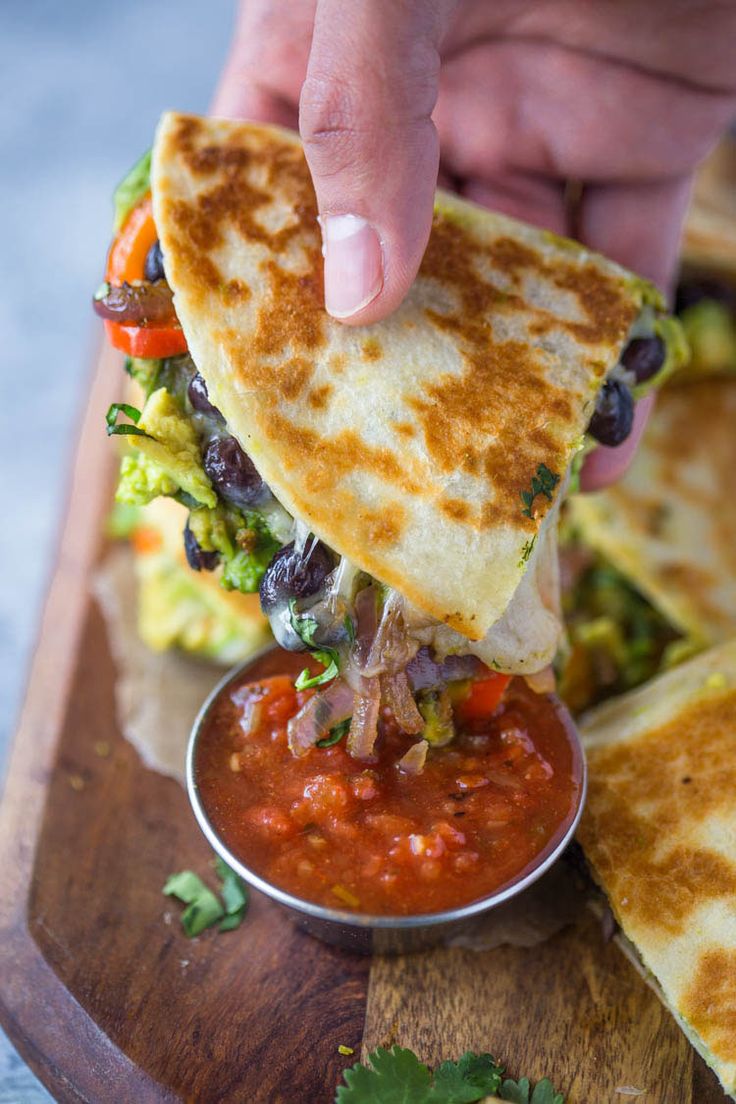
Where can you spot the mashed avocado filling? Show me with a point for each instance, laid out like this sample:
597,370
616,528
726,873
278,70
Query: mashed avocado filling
616,639
165,458
710,328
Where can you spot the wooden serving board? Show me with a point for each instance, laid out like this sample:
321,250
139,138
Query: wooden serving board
109,1003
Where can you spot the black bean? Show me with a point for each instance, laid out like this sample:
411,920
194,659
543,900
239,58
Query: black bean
614,414
197,558
153,269
293,574
199,398
644,356
232,473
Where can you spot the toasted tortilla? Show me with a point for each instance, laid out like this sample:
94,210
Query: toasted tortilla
709,240
405,446
670,524
658,834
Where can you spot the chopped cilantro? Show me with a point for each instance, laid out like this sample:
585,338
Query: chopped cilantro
349,627
543,483
305,627
336,734
329,659
203,907
235,896
397,1076
517,1092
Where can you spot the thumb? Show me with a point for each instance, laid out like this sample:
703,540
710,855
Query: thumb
365,120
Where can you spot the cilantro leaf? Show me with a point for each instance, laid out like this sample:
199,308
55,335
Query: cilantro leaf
235,896
543,483
517,1092
305,627
469,1079
330,660
396,1077
203,908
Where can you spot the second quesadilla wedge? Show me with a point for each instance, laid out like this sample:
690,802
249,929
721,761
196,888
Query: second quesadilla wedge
658,836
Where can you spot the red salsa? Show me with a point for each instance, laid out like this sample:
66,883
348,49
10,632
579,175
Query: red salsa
364,835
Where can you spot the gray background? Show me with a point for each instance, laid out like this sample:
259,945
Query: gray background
82,84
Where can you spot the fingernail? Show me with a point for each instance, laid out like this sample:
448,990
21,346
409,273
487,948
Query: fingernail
353,264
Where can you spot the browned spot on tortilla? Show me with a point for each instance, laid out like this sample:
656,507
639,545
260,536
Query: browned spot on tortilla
513,257
709,1003
235,200
290,314
384,527
318,397
406,429
326,461
495,391
337,363
372,349
608,306
641,823
455,508
235,291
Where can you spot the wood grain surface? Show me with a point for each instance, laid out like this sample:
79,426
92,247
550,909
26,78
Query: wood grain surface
107,1000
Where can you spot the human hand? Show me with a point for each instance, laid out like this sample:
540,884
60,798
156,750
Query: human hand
508,102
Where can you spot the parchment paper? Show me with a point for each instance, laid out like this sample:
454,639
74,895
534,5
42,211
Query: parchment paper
158,695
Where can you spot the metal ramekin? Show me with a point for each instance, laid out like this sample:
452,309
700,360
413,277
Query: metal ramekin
366,934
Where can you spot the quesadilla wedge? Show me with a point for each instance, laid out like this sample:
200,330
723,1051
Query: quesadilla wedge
388,488
658,836
648,567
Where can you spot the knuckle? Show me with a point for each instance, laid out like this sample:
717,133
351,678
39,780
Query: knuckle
333,128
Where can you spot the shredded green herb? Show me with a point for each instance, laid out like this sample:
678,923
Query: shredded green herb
543,483
305,627
203,907
397,1076
235,896
336,734
132,412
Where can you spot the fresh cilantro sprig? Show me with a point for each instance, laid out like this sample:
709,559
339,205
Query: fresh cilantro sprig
203,907
543,483
305,627
517,1092
397,1076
